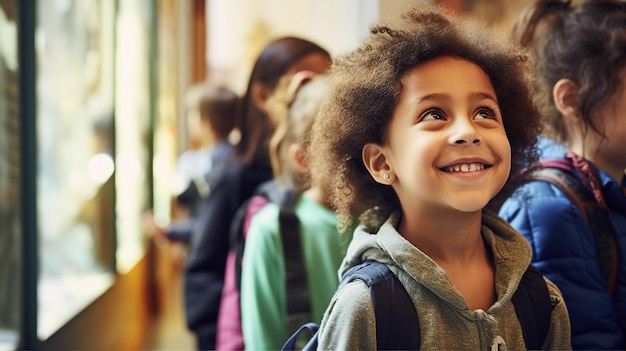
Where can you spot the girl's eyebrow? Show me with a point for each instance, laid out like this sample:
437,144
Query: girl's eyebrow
429,97
483,95
478,95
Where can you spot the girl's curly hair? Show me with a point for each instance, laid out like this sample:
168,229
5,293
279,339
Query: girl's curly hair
365,85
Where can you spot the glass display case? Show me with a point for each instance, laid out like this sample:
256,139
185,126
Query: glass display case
92,126
75,183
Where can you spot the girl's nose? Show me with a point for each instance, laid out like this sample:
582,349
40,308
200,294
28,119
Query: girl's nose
464,133
465,141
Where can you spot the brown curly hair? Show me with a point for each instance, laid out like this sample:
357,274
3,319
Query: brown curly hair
364,89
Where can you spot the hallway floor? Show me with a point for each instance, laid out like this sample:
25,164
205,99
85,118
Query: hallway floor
168,330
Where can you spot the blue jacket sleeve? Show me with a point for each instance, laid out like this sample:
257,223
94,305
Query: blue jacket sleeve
564,250
180,230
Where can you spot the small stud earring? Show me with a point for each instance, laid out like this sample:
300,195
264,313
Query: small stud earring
386,176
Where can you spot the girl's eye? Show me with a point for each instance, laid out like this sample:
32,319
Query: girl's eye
432,115
486,112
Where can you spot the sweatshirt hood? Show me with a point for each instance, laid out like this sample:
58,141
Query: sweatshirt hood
511,252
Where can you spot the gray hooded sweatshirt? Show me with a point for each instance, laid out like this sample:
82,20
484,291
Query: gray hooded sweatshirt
446,321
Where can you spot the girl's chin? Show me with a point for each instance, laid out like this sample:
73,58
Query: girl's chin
471,206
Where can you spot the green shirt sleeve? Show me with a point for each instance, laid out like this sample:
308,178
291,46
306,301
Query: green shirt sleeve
263,301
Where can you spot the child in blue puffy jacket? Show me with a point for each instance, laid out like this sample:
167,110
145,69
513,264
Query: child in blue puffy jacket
581,91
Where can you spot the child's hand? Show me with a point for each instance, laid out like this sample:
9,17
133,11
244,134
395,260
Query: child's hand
153,231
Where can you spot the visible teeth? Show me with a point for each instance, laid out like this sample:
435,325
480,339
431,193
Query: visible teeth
466,167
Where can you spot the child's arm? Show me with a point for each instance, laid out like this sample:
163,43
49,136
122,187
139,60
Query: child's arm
349,321
263,299
180,230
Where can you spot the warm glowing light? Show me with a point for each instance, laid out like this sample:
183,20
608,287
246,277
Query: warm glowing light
100,168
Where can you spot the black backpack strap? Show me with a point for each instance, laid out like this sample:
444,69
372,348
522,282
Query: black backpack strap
397,324
597,217
569,185
298,296
533,307
606,244
311,345
237,238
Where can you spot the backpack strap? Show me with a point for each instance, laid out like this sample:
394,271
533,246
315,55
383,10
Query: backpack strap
606,245
397,324
297,287
237,239
533,308
596,214
237,231
568,184
311,345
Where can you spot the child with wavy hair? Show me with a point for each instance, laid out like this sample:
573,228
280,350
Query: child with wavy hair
423,126
580,89
235,181
276,297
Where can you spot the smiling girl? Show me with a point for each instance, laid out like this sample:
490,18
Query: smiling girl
424,124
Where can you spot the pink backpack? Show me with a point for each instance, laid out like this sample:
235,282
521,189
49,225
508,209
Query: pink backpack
229,333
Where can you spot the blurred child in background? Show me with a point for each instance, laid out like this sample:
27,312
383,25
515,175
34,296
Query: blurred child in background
235,180
211,114
580,88
267,270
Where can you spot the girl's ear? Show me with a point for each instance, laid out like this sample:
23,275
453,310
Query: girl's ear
260,93
565,96
297,154
376,163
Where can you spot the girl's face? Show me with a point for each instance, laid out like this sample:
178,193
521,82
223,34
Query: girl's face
446,145
609,154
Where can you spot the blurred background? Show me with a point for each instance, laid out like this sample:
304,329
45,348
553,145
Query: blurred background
91,123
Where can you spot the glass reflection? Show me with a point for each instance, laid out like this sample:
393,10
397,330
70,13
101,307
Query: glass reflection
132,106
75,126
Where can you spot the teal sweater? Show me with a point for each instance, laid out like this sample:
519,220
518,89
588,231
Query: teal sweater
263,296
446,321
